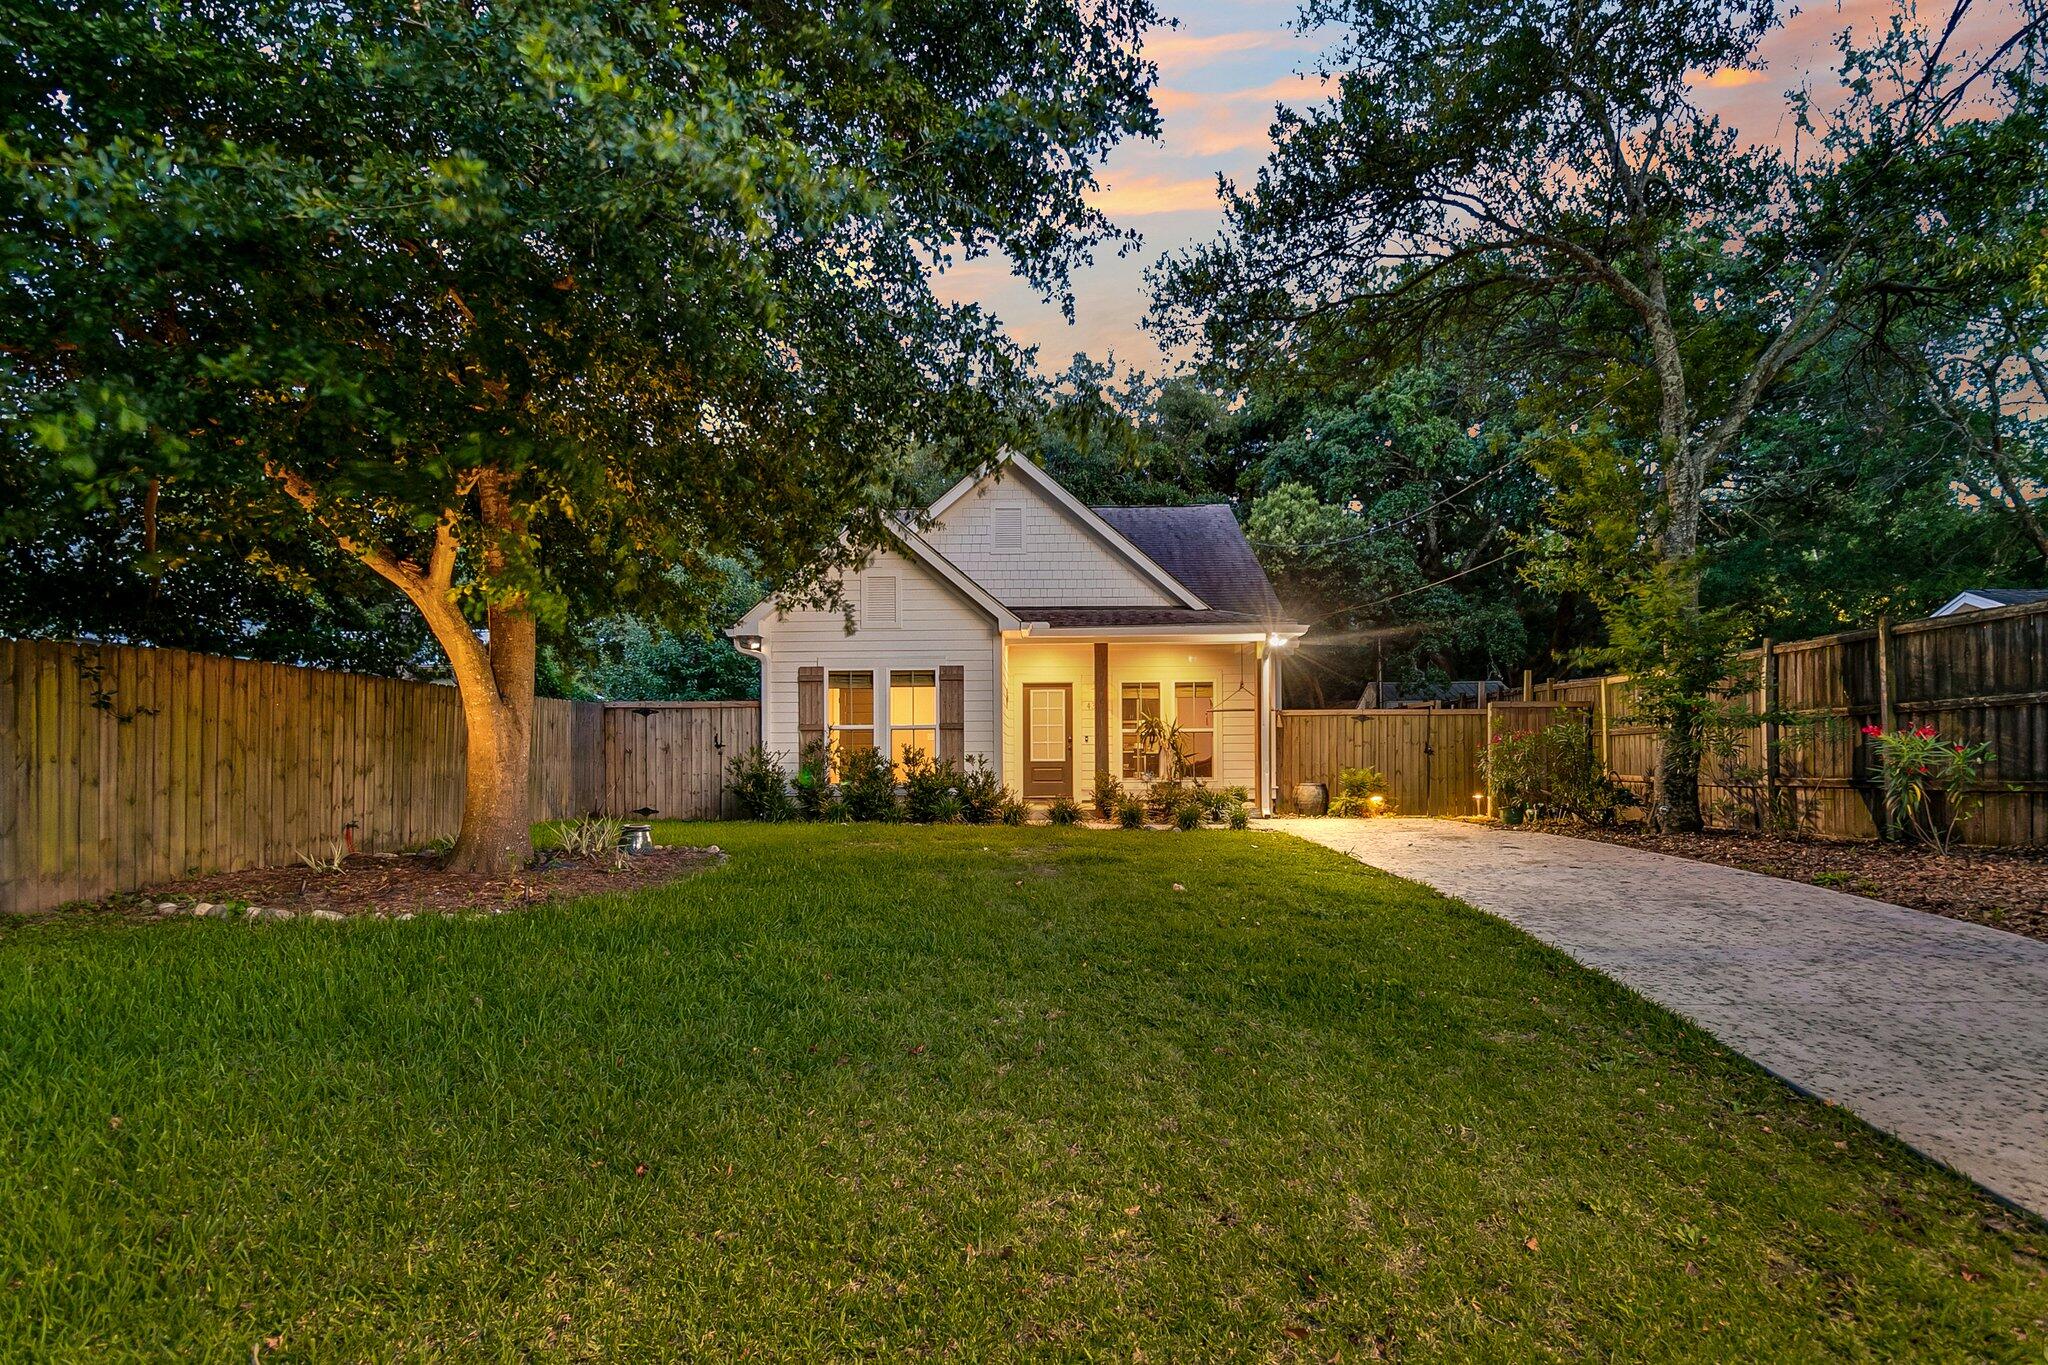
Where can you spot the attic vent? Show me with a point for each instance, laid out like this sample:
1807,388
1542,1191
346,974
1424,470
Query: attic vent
878,600
1006,530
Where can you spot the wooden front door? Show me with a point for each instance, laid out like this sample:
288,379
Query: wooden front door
1048,740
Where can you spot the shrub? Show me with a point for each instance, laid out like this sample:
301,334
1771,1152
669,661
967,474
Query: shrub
1188,815
1012,811
757,785
1929,783
1130,813
594,839
1241,795
931,791
1240,816
1360,792
817,798
867,784
1106,796
1554,770
981,794
1163,798
1063,811
1215,805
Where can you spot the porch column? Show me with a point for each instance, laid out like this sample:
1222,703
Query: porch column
1101,709
1268,700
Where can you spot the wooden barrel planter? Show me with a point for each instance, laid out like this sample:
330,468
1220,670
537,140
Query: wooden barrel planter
1311,798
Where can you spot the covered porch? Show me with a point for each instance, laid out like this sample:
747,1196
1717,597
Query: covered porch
1073,705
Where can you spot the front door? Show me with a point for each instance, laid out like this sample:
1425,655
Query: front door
1048,740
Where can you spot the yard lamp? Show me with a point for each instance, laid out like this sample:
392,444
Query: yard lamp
1375,801
1478,803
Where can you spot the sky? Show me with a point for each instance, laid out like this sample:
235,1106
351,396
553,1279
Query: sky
1222,70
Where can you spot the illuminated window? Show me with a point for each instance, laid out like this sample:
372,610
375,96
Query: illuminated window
849,714
1194,710
913,715
1141,702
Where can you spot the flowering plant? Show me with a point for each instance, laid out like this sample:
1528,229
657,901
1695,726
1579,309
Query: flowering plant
1929,783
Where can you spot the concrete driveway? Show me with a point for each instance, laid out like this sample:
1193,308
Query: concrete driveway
1932,1029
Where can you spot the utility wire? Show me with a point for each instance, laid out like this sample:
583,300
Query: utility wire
1409,592
1396,524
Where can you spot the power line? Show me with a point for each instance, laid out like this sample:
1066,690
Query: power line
1395,525
1409,592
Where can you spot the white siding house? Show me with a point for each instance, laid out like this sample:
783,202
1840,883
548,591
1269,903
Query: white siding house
1012,624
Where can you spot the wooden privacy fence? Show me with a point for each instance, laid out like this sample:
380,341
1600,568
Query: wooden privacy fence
1429,758
1977,676
120,766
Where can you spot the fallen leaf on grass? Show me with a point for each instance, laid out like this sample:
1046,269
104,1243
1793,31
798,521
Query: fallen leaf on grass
917,1051
1531,1244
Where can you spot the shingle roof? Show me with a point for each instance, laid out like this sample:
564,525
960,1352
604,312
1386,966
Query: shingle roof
2005,597
1090,618
1202,547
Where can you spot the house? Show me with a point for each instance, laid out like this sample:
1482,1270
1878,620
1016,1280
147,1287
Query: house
1983,599
1013,623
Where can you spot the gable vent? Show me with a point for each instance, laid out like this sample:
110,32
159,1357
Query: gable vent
1006,530
878,600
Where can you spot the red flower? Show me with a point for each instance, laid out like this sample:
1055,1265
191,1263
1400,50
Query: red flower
1925,732
1873,731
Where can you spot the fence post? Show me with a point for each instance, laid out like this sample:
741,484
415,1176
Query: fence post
1603,708
1528,684
1886,717
1767,704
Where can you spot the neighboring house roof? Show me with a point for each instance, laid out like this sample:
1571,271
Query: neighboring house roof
1983,599
1203,548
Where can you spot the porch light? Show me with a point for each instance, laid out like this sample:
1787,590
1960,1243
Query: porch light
1276,641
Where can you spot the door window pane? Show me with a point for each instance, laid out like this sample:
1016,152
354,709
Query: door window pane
1048,725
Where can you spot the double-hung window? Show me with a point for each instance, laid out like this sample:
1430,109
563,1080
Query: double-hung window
1194,710
1140,703
913,715
849,714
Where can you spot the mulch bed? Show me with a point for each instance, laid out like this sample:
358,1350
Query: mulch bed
2006,888
391,885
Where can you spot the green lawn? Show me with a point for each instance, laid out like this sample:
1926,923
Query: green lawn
965,1092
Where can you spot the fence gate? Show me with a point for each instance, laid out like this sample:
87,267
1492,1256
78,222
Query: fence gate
1429,758
667,759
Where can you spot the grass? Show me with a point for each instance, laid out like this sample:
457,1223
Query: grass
980,1093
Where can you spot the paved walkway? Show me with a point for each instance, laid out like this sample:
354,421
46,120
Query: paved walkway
1933,1029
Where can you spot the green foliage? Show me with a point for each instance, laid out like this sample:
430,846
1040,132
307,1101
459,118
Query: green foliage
867,784
1188,815
1011,811
981,795
1106,795
1063,811
1239,816
1553,770
1929,783
1130,813
931,790
758,786
1360,792
628,658
816,795
592,838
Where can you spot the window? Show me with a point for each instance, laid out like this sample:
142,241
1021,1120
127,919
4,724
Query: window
1141,702
878,600
913,715
1006,530
849,714
1194,710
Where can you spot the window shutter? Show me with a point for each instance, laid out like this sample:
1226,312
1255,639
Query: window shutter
952,714
810,708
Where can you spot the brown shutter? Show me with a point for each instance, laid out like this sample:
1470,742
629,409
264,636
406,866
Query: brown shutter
952,714
810,708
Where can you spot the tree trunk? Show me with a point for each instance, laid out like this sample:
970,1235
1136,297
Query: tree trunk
497,706
1678,786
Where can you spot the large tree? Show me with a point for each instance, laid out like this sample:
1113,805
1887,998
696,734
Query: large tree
1546,171
536,306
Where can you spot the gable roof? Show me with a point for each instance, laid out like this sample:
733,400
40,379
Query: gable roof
916,549
1089,518
1203,547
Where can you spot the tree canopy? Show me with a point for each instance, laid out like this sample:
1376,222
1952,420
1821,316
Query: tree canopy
536,308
